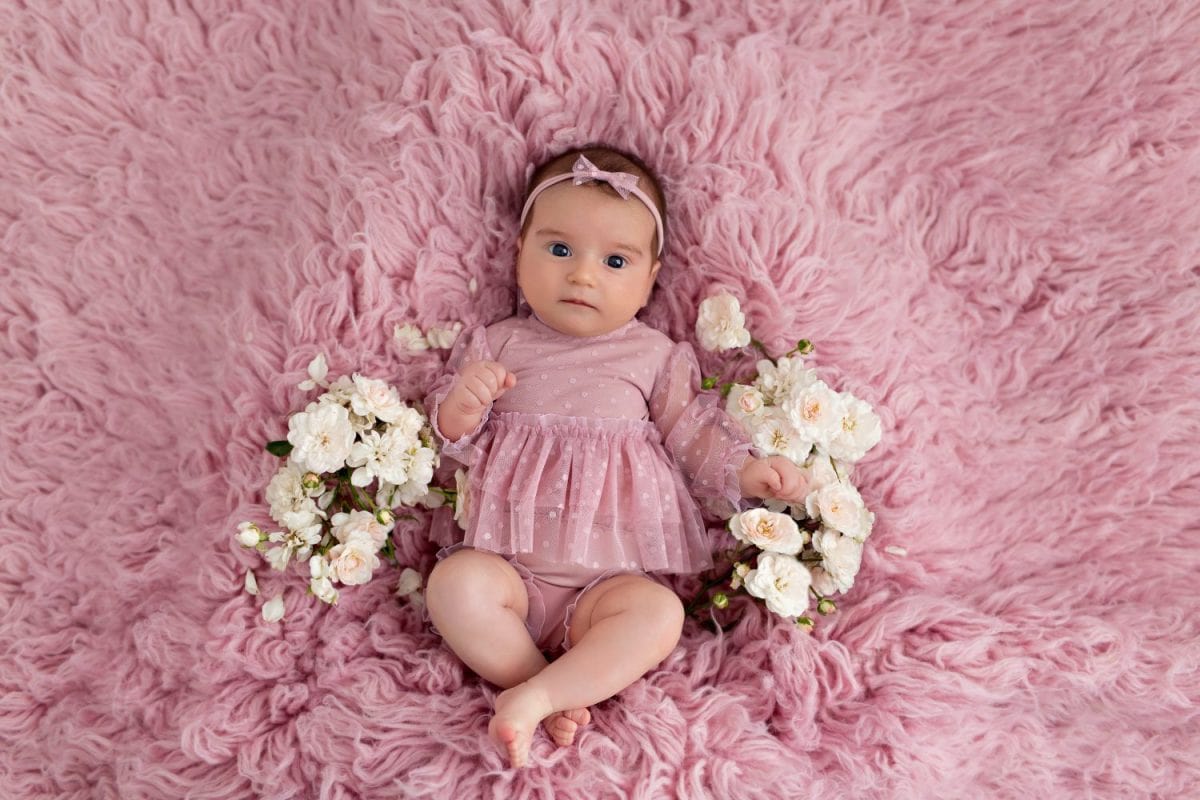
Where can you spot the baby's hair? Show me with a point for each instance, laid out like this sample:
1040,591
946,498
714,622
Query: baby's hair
609,159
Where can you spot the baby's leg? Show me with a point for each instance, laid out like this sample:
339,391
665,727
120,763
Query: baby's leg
623,628
478,603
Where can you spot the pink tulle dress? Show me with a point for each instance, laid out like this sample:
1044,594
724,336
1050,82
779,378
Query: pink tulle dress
587,467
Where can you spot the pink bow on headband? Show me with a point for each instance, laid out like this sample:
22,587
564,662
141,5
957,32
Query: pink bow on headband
583,171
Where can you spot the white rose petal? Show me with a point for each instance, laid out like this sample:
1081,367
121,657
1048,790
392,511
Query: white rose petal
462,501
410,581
317,370
767,530
251,583
409,337
896,551
840,506
721,324
782,581
472,286
272,610
443,338
321,437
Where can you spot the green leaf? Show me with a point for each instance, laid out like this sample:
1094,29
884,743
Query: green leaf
279,448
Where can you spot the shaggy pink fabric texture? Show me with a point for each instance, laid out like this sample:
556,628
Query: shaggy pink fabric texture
984,214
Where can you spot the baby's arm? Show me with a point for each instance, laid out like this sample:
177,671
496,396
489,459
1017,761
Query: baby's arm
478,385
775,477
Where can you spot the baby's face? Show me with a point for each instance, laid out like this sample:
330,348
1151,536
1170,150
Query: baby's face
585,263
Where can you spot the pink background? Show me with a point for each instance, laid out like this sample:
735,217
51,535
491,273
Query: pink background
983,214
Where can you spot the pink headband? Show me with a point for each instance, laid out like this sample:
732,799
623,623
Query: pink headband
584,171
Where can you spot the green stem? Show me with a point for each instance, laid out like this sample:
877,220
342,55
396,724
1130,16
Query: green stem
762,348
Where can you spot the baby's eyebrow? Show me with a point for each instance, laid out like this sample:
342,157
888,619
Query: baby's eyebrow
637,251
549,232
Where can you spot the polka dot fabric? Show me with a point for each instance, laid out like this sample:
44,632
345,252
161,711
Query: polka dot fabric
593,457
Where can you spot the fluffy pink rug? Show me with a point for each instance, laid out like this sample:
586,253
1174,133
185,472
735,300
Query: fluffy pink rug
983,213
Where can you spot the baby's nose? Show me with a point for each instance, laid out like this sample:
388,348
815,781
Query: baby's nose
583,274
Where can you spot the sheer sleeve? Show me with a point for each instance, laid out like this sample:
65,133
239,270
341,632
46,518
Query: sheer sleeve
707,444
472,345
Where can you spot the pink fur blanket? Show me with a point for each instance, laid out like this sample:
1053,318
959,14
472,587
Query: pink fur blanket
983,213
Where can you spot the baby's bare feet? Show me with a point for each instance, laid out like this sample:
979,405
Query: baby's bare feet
561,725
518,712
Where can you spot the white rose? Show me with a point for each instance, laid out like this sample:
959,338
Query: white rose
420,472
841,558
272,610
374,398
782,581
744,403
721,324
462,500
444,338
777,382
840,506
321,437
353,561
767,530
286,495
383,455
408,337
859,430
297,543
816,412
773,434
359,523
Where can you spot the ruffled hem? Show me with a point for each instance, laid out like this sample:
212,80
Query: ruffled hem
599,492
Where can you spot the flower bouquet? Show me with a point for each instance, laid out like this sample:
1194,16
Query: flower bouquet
789,554
353,458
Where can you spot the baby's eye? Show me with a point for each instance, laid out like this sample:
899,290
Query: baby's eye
560,250
616,262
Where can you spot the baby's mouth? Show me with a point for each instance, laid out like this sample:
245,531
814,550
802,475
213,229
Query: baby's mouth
576,302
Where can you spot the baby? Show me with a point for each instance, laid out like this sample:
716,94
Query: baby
586,439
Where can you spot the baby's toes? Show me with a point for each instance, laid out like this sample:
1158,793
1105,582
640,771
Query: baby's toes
561,730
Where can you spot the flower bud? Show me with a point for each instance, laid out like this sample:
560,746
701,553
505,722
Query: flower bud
804,347
826,606
311,481
720,600
249,534
805,624
385,516
741,569
708,383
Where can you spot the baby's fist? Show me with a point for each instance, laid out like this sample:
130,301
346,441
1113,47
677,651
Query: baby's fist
775,477
480,384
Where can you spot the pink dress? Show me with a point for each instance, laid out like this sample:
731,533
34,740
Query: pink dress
591,460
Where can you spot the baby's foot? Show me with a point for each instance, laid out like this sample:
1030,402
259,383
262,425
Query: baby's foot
561,725
518,712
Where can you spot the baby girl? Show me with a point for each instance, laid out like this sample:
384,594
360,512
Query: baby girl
586,439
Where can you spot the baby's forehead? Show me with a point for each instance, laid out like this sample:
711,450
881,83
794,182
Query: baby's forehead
591,204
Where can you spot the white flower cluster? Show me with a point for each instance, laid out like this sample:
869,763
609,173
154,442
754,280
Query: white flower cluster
361,448
815,546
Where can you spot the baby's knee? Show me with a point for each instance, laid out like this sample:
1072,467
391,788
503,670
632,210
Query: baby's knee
662,614
468,580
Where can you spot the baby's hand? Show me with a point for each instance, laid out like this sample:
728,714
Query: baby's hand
775,477
479,384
